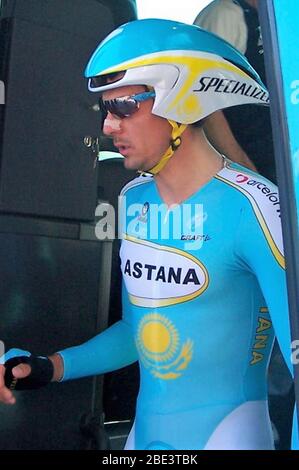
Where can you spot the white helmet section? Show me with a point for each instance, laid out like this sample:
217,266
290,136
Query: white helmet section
189,85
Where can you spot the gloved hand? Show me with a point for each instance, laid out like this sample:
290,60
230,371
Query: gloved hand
41,370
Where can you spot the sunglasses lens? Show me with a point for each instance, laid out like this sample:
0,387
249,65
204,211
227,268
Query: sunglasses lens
121,107
127,106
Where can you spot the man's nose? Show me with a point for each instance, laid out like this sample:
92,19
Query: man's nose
111,125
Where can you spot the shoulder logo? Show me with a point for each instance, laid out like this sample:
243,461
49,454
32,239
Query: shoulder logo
240,178
259,190
264,199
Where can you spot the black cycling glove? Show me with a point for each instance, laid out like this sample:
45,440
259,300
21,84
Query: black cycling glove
42,370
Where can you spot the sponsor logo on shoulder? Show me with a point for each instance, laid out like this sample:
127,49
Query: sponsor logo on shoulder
264,199
261,187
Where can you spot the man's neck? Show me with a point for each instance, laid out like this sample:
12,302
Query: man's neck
193,164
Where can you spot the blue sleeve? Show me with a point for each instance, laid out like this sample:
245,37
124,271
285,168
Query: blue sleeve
110,350
259,246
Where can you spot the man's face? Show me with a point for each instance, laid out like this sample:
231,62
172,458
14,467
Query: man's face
141,138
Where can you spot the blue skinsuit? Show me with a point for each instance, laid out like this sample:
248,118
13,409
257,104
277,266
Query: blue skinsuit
195,313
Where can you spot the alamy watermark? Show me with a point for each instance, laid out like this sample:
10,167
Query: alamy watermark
295,352
152,222
2,92
295,93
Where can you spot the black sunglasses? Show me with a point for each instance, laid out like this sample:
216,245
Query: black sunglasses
125,105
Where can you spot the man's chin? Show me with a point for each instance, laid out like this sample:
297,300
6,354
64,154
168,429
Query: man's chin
129,164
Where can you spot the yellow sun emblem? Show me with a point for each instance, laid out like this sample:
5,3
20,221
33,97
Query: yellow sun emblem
157,338
158,343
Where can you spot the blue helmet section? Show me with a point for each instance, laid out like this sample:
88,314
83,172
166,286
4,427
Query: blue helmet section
142,37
